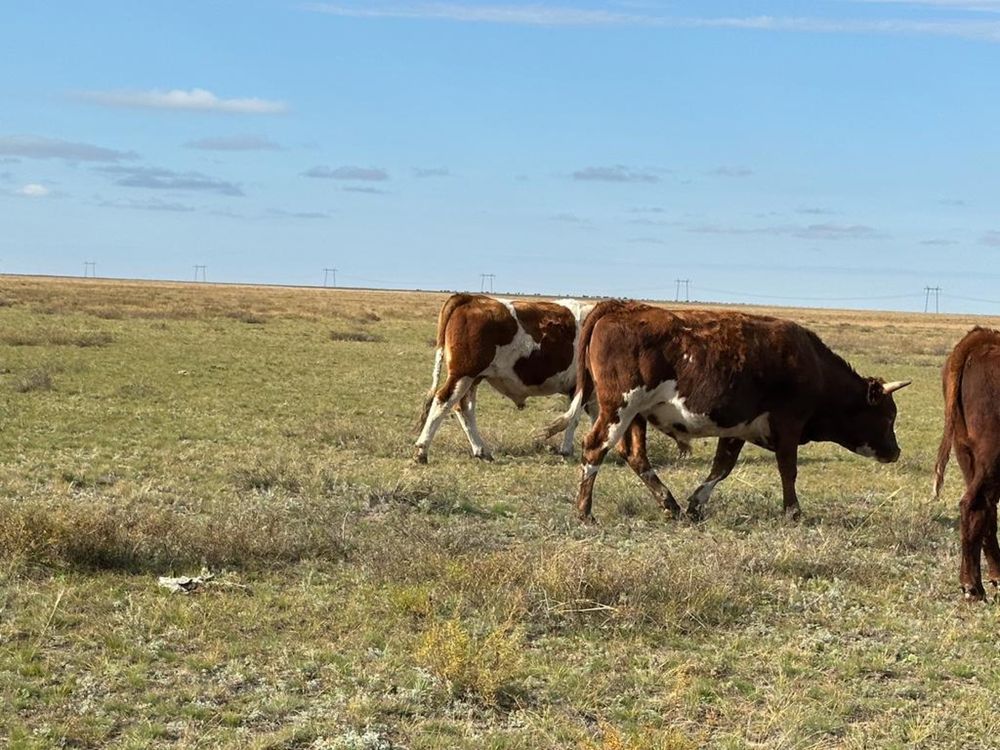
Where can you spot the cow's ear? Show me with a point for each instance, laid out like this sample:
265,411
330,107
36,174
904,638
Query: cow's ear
875,391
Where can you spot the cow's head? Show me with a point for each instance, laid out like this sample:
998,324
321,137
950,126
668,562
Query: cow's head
866,425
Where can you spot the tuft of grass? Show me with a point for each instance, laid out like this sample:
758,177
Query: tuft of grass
247,316
94,534
36,380
484,668
358,336
56,338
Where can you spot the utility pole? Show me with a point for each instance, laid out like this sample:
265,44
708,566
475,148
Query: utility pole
196,270
326,275
687,289
483,279
936,291
89,268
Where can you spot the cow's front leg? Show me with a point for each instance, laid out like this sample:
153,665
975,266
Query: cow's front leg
633,450
602,436
726,452
787,453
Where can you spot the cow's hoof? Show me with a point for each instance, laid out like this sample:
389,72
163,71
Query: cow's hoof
694,515
420,456
973,594
484,456
587,519
793,514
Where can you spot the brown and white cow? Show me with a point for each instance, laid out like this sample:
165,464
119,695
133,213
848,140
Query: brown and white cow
971,379
741,378
521,348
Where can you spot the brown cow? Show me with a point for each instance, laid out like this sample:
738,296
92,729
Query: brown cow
729,375
971,379
522,349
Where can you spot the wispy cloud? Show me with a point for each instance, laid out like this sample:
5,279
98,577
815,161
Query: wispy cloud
569,218
195,100
531,15
431,172
731,172
815,211
282,213
38,147
826,231
551,15
362,174
33,190
234,143
938,242
155,178
617,173
991,238
976,6
153,204
368,190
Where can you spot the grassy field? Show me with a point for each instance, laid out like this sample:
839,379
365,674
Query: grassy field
363,602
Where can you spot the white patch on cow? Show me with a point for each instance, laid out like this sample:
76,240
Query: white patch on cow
667,407
438,364
865,450
590,470
501,374
466,415
438,412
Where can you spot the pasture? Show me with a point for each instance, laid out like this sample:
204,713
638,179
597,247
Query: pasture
363,602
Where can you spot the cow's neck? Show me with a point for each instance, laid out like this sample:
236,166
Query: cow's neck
843,390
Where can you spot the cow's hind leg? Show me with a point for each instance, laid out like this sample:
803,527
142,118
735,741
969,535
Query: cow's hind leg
726,452
602,436
445,399
991,547
633,449
973,526
465,412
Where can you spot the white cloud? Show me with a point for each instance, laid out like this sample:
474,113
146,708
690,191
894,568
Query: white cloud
364,174
547,15
33,190
528,15
979,6
38,147
195,100
234,143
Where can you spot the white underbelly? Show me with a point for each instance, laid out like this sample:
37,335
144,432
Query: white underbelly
666,409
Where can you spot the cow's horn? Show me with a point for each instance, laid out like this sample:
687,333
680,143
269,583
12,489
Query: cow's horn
895,386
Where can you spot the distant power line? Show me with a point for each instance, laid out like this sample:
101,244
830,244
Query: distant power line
326,276
90,268
483,279
202,270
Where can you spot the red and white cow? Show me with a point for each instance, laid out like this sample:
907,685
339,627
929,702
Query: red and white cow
521,348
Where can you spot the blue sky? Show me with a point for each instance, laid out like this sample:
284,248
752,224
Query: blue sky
840,152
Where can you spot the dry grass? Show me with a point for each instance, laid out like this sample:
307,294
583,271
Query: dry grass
371,603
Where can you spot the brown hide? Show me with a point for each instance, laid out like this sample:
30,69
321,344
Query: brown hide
553,327
971,382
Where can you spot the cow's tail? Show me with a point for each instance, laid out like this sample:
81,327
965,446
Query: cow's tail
584,378
952,416
451,304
